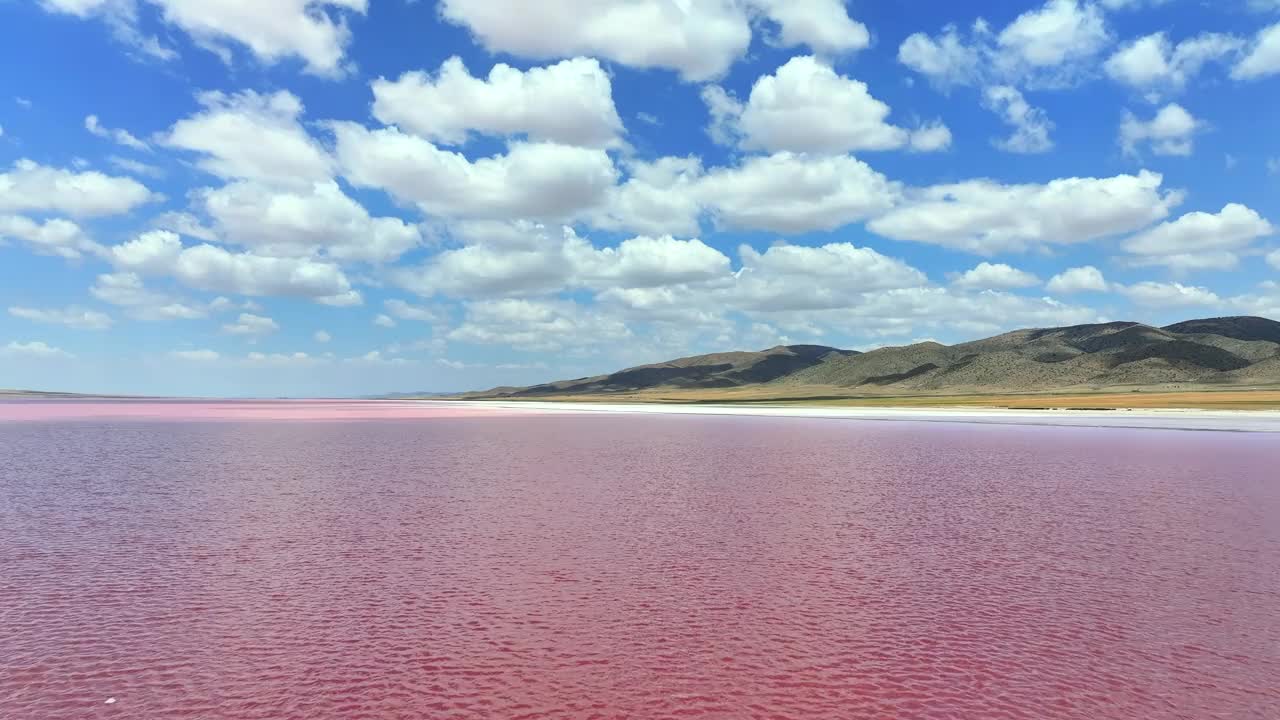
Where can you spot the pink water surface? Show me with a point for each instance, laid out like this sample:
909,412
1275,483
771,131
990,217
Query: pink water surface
479,565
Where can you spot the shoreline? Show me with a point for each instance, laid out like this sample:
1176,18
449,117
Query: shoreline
1267,421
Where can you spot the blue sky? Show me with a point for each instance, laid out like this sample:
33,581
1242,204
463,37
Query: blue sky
348,197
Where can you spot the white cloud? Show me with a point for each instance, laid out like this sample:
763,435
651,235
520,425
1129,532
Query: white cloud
1057,33
911,312
34,349
1200,240
184,224
134,167
947,60
986,217
1049,46
659,198
384,321
533,180
548,264
125,289
700,40
59,237
790,193
121,137
248,136
1154,294
1152,63
794,277
1078,279
999,276
321,336
537,326
1273,259
300,223
72,317
195,355
1031,126
30,186
406,311
215,269
314,31
806,107
1170,132
1129,4
1263,58
931,137
282,360
121,17
823,25
251,325
570,103
647,262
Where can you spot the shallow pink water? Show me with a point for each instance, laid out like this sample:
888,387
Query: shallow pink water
605,566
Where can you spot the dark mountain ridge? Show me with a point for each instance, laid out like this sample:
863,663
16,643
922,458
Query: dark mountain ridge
1212,351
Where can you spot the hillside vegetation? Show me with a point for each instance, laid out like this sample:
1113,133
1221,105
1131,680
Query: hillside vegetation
1215,353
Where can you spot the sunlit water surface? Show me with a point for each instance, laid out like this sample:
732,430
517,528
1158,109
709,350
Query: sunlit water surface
350,561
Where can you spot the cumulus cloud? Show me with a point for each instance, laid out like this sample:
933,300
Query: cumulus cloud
121,137
986,217
947,59
1153,64
699,40
1200,240
321,336
215,269
1078,279
1156,294
1049,46
406,311
125,289
72,317
195,355
793,193
58,237
384,321
570,103
537,325
34,349
314,31
251,325
548,264
249,136
535,180
1057,33
1031,126
792,277
659,198
806,107
30,186
998,276
299,223
1263,56
1170,132
907,312
134,167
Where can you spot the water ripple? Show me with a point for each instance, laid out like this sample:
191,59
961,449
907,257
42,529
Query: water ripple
634,567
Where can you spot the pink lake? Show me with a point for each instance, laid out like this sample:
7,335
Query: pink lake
347,561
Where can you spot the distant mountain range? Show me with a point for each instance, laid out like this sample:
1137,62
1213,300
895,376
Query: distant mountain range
1229,351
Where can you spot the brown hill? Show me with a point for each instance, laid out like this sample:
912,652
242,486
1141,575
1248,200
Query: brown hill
718,370
1216,351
